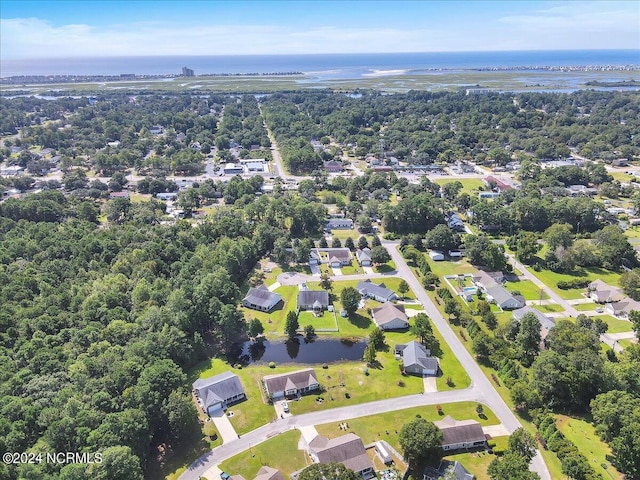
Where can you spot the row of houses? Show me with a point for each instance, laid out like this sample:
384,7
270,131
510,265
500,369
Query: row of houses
615,301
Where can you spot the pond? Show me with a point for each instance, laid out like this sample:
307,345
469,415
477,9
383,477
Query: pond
297,350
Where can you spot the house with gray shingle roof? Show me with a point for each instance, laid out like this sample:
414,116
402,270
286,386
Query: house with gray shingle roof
260,298
364,257
447,467
290,384
500,296
461,435
390,316
601,292
347,450
216,393
546,323
314,300
417,359
378,292
268,473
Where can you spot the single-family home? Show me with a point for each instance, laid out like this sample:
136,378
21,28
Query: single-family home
11,170
335,257
291,384
217,392
454,222
390,316
500,296
347,450
333,166
461,435
339,224
546,323
447,467
378,292
622,308
601,292
268,473
436,256
364,257
484,279
156,130
314,300
416,359
261,299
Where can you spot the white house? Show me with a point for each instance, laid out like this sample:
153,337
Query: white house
291,384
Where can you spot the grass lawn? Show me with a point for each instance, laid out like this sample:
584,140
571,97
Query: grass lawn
527,288
273,321
390,266
583,435
478,462
586,307
551,279
451,267
385,426
279,452
550,308
326,322
469,185
627,342
616,325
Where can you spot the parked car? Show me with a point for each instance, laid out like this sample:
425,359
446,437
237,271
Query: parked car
224,476
285,407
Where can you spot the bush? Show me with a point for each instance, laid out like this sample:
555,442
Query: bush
272,364
575,283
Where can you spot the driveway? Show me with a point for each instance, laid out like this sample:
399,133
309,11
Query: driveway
495,430
224,427
430,385
337,272
280,413
315,270
293,278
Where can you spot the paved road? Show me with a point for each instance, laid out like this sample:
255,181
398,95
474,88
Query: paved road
259,435
478,379
606,338
481,390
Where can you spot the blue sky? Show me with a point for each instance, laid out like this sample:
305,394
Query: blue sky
48,28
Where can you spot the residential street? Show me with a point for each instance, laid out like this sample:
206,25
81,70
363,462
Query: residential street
481,390
478,379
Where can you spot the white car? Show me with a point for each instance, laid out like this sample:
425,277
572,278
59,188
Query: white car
285,407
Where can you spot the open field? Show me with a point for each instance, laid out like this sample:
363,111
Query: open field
527,288
549,308
616,325
551,279
583,435
325,322
469,185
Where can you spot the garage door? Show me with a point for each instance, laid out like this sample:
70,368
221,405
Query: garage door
214,409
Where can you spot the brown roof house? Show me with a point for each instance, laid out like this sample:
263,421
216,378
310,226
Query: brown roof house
461,435
601,292
390,316
268,473
291,384
347,450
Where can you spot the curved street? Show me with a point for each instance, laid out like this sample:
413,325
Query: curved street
481,390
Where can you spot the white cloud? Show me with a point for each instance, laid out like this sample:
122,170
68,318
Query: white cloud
563,25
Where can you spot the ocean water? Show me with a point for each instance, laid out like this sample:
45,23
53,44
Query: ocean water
326,66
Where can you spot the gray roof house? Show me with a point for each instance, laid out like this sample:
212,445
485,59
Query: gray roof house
290,384
390,316
464,434
336,257
378,292
260,298
546,323
622,308
446,466
268,473
347,450
316,300
339,224
416,359
364,257
500,296
215,393
601,292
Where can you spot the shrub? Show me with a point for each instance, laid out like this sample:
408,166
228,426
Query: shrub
575,283
272,364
